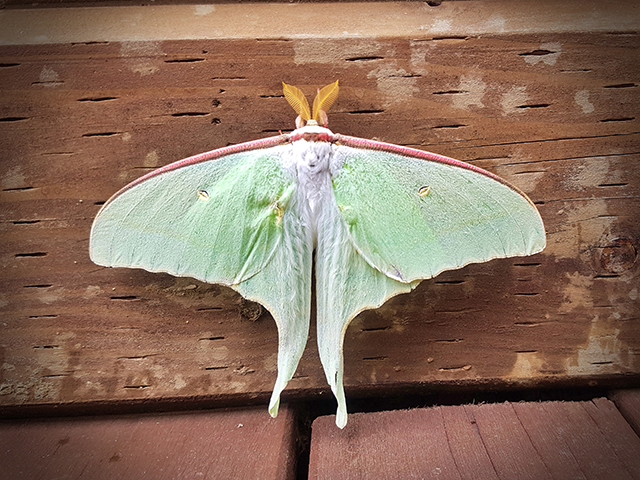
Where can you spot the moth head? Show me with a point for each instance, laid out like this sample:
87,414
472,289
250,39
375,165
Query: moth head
324,99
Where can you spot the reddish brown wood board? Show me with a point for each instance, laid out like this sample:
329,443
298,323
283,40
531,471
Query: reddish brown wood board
554,440
219,444
552,106
628,402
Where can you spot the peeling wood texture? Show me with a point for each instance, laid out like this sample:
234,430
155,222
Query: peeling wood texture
551,105
545,440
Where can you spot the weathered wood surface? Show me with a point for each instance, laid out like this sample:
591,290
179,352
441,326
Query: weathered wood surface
239,443
532,440
552,107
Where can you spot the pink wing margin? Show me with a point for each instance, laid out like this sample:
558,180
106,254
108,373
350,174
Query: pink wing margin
356,142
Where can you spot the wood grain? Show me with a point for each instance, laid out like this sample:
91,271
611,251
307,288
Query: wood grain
554,111
559,440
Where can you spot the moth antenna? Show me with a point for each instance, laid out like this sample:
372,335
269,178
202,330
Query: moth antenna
298,101
323,101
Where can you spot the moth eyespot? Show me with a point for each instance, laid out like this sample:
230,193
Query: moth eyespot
424,191
203,195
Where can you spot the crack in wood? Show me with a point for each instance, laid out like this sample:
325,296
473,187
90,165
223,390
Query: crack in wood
450,92
42,285
96,99
25,222
101,134
91,42
535,105
450,37
124,297
211,338
621,85
537,53
50,83
13,119
18,189
620,119
364,59
365,112
376,358
30,254
138,357
453,125
185,60
375,329
190,114
216,368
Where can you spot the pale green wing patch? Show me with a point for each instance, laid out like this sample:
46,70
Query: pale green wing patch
218,221
412,218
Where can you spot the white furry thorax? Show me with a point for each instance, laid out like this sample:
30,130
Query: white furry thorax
312,159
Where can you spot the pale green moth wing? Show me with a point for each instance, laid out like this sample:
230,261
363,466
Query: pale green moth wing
227,216
218,221
399,216
413,215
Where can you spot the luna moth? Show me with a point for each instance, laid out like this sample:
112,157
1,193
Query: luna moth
379,217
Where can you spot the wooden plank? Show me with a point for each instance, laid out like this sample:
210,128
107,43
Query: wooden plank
553,110
623,440
403,444
628,403
559,440
215,444
328,19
